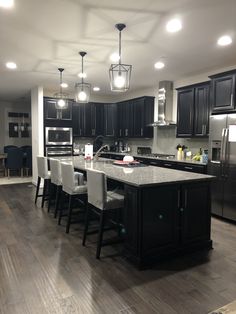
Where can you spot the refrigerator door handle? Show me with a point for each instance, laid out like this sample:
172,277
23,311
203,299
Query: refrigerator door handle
222,152
226,151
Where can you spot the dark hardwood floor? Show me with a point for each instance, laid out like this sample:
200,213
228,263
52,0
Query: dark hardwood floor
44,270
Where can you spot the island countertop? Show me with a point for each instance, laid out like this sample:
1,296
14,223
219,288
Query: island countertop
137,176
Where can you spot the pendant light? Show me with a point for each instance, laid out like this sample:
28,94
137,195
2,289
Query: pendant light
62,98
120,73
82,90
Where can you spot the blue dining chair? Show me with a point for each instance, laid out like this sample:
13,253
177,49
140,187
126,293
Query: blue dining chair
14,160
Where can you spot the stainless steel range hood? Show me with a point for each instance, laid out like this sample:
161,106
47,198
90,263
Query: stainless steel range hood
165,105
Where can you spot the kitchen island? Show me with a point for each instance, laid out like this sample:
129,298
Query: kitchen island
167,212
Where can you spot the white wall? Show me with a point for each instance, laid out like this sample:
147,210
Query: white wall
37,128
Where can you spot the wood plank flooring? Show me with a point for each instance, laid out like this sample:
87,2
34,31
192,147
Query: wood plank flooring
44,270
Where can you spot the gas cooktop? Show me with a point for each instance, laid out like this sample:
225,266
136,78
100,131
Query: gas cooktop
147,152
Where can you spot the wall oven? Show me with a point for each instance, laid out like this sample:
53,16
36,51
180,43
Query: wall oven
58,136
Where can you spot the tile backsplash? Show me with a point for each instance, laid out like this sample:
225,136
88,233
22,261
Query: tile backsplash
163,142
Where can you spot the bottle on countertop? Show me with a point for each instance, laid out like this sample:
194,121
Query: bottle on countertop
180,153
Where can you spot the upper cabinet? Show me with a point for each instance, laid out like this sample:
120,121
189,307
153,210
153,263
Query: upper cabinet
57,117
185,112
223,92
193,111
135,117
110,119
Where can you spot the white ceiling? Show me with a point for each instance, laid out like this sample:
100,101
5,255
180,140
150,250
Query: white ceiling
42,35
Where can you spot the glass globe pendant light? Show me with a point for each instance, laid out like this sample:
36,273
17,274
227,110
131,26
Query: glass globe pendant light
120,73
82,90
62,98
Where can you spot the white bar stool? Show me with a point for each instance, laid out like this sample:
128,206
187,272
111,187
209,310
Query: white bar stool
100,201
73,185
43,173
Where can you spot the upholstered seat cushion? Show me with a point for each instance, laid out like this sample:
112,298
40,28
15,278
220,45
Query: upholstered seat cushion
114,200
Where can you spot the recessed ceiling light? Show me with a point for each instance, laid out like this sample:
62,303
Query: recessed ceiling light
114,57
173,26
11,65
224,40
96,88
82,75
64,85
159,65
6,3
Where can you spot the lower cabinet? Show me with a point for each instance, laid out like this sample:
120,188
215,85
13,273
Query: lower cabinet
162,221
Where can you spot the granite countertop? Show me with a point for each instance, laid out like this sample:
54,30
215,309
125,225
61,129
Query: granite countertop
140,177
159,158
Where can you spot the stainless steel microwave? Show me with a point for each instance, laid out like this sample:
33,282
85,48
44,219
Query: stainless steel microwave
58,136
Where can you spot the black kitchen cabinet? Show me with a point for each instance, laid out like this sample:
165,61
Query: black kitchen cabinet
88,119
110,120
193,110
51,113
125,118
143,116
185,112
201,110
160,227
166,220
78,119
195,216
223,92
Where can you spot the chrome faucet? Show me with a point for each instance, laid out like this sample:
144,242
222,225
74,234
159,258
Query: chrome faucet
98,153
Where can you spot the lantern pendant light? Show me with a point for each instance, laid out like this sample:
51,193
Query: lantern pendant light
120,73
82,90
62,98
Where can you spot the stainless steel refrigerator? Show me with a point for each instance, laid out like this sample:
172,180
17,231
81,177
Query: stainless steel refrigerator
222,164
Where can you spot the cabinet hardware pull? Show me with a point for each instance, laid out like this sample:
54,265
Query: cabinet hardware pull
181,209
231,100
168,165
203,129
178,198
160,216
120,132
190,168
153,163
186,198
113,133
141,131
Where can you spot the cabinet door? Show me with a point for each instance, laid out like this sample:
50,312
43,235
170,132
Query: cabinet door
89,120
148,117
195,212
138,117
110,111
125,119
99,119
78,119
66,114
50,109
201,117
160,219
185,112
223,93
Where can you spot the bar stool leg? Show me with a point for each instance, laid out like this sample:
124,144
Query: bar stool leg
44,192
58,194
49,195
87,218
37,189
69,214
100,234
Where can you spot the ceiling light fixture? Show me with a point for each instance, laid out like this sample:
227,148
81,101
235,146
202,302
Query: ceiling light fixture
174,26
62,98
114,57
159,65
224,40
64,85
6,3
120,73
96,89
82,90
11,65
82,75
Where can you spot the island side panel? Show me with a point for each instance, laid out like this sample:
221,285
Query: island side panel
167,220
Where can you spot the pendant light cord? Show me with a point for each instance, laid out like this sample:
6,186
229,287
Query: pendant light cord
82,70
119,47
